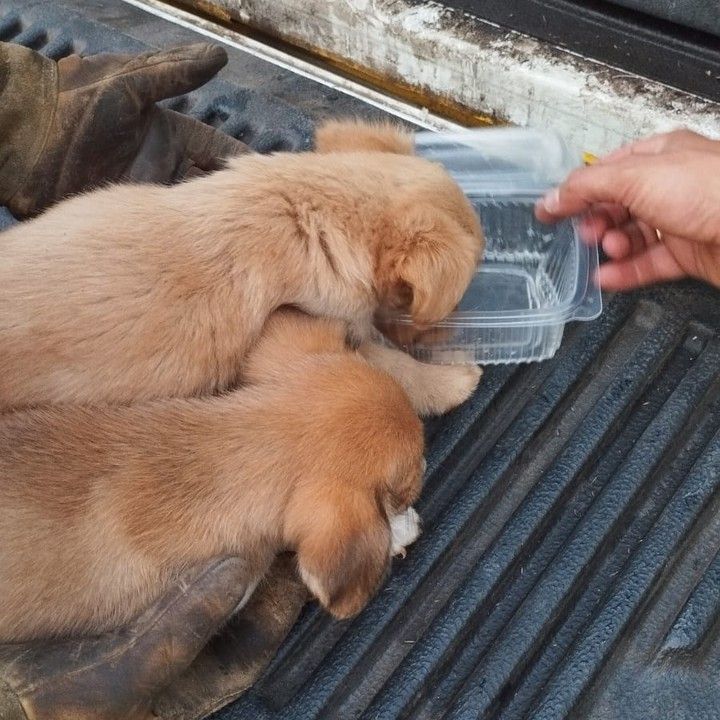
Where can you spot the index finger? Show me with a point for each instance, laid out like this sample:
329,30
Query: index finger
589,186
676,140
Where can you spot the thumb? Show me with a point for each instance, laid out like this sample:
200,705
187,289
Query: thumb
177,71
151,76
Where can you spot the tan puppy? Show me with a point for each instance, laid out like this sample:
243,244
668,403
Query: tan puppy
102,507
136,292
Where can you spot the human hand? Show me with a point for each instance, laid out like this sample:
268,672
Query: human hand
654,206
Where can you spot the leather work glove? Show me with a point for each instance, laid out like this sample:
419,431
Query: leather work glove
72,125
162,665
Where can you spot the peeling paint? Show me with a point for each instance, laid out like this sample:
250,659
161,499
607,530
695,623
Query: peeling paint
453,55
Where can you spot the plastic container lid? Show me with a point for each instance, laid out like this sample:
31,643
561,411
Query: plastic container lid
492,162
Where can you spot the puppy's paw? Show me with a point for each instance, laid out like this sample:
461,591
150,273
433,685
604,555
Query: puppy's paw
440,388
405,530
460,383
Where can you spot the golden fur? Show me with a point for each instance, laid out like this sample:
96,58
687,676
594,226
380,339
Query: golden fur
358,135
142,291
104,506
139,292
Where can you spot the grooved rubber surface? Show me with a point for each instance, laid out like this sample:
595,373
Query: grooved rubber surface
570,560
569,565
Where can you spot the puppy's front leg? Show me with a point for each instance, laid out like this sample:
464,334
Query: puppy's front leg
432,389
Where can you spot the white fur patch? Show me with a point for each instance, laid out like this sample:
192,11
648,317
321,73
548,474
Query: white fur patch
405,529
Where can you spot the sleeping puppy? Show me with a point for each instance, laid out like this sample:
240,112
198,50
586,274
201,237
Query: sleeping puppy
141,291
103,507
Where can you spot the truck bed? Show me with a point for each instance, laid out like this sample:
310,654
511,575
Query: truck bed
569,565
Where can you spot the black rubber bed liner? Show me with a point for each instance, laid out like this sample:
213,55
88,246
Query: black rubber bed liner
569,565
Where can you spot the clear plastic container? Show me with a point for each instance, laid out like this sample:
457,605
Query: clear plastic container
534,278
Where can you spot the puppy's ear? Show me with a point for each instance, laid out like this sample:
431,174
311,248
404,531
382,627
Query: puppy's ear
343,548
426,264
358,136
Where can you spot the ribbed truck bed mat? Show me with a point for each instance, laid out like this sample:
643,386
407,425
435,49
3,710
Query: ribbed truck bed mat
569,565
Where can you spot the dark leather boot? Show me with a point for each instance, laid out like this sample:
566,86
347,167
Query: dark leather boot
164,664
72,125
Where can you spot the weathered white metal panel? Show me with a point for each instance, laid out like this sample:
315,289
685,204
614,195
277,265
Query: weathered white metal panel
454,55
